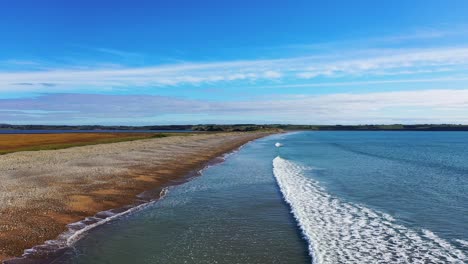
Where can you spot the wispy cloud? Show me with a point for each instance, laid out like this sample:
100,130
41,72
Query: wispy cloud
410,61
116,52
362,83
18,62
428,33
384,107
421,37
403,62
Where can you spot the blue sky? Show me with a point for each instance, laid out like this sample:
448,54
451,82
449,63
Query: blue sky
185,62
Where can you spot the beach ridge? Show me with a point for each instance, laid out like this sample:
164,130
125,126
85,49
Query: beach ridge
43,191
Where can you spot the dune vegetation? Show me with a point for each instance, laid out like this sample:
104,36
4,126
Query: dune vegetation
30,142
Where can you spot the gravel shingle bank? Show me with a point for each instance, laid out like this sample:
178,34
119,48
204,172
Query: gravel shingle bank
42,191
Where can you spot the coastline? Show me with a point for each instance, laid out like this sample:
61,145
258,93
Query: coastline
134,183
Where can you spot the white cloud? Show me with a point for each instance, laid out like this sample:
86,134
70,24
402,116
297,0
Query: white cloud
374,64
119,53
415,61
361,83
426,106
272,74
19,62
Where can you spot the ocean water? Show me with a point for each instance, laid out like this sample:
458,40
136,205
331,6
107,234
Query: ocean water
324,197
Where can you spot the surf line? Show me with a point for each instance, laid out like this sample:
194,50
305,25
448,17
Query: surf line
344,232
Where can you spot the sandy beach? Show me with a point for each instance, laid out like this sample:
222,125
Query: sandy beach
42,191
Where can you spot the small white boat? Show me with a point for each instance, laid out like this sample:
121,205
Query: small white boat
277,144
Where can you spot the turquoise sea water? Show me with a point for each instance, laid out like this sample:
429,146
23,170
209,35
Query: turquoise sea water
325,197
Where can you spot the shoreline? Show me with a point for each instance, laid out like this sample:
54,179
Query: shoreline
54,249
149,183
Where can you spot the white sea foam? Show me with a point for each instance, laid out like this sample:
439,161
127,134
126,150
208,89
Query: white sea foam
463,243
77,230
343,232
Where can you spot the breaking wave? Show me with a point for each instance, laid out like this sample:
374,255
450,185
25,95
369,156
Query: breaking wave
343,232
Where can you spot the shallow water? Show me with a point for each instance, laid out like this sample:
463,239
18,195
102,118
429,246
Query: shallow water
358,197
233,213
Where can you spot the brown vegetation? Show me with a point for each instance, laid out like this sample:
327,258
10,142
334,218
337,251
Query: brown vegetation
28,142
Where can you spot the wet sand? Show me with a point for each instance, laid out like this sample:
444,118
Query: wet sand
42,191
